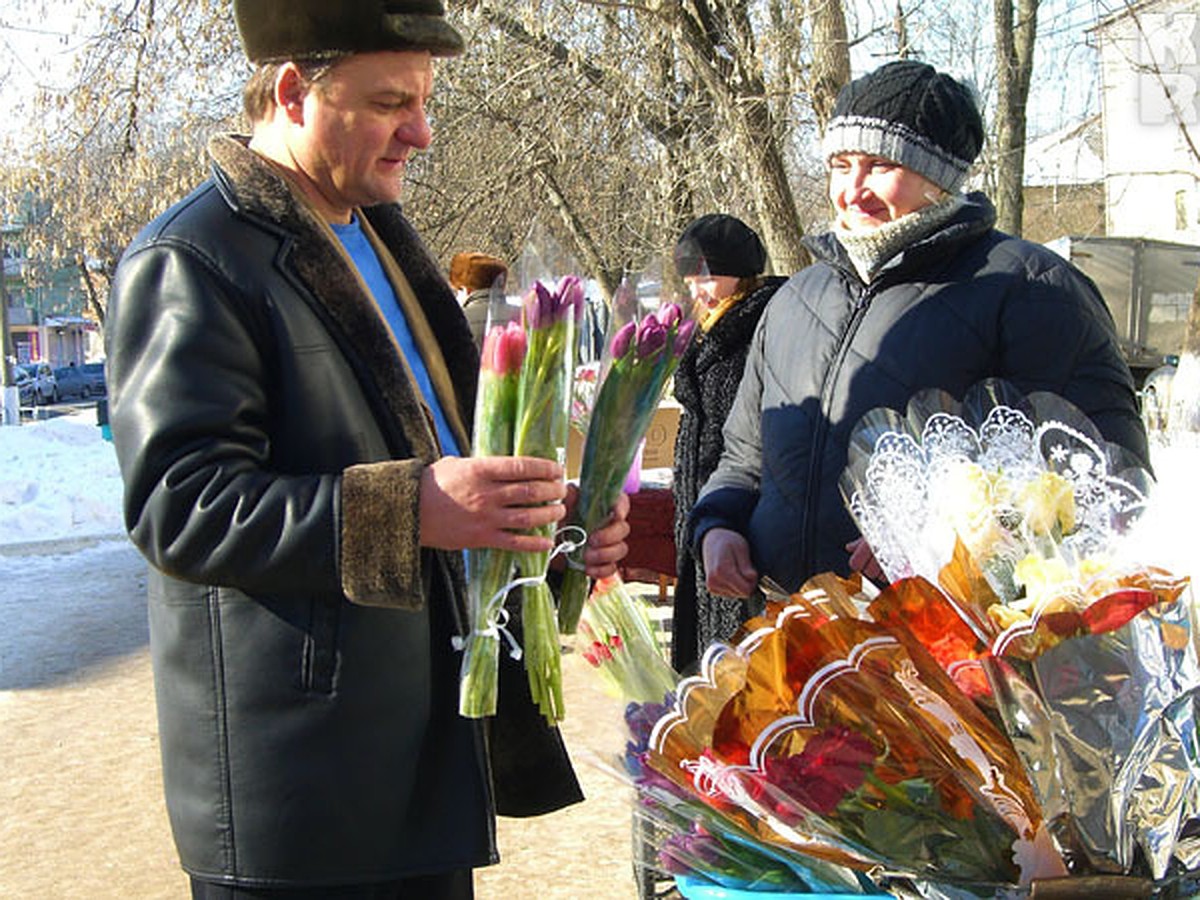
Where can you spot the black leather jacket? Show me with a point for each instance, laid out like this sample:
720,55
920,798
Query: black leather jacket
271,446
964,304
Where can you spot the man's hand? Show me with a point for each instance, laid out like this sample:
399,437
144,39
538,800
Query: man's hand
606,545
486,501
727,566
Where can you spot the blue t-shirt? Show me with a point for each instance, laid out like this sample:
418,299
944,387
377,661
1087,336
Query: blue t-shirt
371,270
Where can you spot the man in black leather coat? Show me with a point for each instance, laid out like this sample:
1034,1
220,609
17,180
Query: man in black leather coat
291,387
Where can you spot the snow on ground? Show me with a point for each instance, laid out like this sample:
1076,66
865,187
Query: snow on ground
58,479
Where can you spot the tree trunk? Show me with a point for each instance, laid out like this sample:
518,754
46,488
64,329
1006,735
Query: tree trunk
736,87
93,296
1014,65
831,56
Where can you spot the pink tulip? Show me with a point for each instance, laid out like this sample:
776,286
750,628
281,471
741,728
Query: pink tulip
670,315
509,350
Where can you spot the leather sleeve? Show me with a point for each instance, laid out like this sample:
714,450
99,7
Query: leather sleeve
189,366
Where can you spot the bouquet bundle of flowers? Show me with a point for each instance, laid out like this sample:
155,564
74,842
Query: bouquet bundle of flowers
828,734
521,408
617,638
542,422
640,358
489,571
1033,591
1014,505
699,845
1017,708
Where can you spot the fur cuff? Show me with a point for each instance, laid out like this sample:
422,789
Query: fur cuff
381,552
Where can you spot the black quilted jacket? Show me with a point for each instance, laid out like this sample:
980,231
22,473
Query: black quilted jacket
964,304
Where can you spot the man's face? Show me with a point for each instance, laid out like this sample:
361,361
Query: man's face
360,123
867,191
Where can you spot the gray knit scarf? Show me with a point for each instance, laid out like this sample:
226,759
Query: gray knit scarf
871,248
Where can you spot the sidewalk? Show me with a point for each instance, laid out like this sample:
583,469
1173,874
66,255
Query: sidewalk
81,808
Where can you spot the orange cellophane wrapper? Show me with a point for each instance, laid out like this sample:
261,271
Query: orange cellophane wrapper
929,786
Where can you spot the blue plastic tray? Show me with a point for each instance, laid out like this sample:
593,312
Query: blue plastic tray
699,889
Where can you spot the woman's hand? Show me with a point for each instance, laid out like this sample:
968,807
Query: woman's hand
728,569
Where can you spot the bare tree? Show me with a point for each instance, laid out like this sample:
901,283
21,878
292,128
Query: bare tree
1016,35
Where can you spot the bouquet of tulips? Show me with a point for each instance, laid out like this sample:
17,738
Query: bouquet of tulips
618,639
521,409
490,570
542,423
641,357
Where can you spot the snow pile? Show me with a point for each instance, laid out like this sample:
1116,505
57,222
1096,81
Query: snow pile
58,479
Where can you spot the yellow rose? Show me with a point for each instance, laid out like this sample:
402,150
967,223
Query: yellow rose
1047,501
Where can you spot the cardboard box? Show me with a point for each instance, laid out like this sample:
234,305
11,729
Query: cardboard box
660,438
660,441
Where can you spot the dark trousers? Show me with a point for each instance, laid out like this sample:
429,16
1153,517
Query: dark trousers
456,885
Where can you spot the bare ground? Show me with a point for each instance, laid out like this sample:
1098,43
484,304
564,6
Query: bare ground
80,790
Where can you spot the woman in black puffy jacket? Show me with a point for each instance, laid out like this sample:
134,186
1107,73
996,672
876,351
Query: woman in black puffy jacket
912,288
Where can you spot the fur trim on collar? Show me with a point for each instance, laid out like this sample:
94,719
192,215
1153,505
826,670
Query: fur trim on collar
259,190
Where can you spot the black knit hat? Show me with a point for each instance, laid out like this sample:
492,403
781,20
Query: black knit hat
717,244
912,114
279,30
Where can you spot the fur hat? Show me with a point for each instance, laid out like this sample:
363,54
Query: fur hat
279,30
912,114
475,271
718,244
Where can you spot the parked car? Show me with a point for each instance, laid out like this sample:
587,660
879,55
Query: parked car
42,388
72,383
94,372
24,382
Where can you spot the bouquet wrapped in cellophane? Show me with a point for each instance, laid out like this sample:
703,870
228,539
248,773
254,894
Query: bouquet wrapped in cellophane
489,570
1015,713
542,423
522,409
641,354
618,639
1016,530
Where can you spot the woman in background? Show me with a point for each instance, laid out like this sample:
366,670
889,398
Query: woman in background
721,261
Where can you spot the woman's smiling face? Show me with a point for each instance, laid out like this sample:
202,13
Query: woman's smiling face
867,191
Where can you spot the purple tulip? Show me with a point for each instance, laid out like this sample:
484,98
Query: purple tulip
684,336
570,297
670,315
539,306
651,337
673,856
623,340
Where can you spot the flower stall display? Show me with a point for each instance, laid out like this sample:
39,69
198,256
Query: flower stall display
640,358
1014,714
